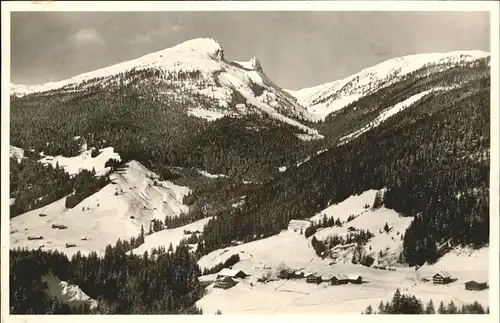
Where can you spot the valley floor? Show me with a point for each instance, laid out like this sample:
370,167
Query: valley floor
298,296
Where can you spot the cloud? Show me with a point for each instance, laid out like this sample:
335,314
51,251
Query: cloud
87,36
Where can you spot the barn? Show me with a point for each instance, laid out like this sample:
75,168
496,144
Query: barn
226,272
313,279
225,282
474,285
441,277
297,225
339,280
355,279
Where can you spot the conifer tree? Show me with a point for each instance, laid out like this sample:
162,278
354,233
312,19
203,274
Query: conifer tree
430,308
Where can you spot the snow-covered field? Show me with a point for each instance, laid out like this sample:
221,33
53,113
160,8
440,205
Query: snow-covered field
169,236
293,250
297,296
73,165
133,198
355,204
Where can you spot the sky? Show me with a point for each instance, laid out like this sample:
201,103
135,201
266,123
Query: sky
296,49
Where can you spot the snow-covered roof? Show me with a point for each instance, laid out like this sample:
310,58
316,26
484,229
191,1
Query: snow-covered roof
340,277
300,222
443,274
353,276
229,272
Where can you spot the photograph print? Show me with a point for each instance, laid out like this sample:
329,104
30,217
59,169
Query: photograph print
248,162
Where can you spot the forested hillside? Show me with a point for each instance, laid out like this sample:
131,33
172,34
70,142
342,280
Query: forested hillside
433,158
153,129
164,283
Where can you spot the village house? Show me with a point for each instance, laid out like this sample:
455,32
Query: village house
441,278
226,272
327,278
313,279
298,274
286,274
355,279
298,225
339,280
225,282
474,285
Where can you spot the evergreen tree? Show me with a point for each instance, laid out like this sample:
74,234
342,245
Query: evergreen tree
430,308
451,309
441,309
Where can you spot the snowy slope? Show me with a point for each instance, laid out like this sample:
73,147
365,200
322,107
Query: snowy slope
220,80
197,54
67,293
117,211
169,236
294,251
463,263
354,204
327,98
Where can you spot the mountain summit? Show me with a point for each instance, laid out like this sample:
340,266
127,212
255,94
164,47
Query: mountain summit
199,67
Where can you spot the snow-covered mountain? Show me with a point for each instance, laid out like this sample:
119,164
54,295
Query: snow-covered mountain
324,99
238,87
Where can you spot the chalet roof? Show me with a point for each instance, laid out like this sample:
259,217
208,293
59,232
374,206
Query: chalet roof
475,282
353,276
299,223
340,277
443,274
226,279
229,272
326,277
313,276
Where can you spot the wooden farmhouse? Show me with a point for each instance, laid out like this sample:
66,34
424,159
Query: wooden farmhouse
225,282
339,280
298,274
313,279
355,279
286,274
226,272
474,285
441,278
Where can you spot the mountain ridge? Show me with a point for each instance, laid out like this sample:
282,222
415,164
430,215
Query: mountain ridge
324,99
